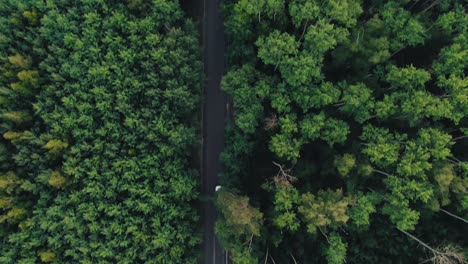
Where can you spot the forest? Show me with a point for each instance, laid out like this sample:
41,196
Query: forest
97,132
349,134
346,141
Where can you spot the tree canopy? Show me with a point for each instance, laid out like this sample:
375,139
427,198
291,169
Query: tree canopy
97,129
366,103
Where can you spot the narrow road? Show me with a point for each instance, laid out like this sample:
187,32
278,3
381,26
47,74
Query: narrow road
214,117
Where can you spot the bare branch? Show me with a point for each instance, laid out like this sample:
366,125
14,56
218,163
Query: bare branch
453,215
272,260
430,6
326,237
434,251
295,262
458,138
303,32
271,122
283,176
381,172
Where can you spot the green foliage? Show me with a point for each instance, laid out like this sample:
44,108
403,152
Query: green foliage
20,61
364,206
415,161
381,147
444,176
246,102
322,37
277,48
237,152
17,117
336,251
239,222
47,256
55,146
238,214
258,8
285,147
407,30
98,106
422,105
57,180
312,125
358,102
437,143
408,78
303,11
330,130
335,131
344,164
368,97
327,209
285,200
241,256
321,95
32,16
403,217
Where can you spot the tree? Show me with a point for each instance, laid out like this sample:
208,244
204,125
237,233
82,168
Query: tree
406,29
243,219
330,130
344,12
318,96
336,251
277,48
444,176
284,201
238,225
286,198
381,147
246,100
312,125
55,146
335,131
437,142
57,180
285,146
322,37
364,206
327,209
303,11
368,98
344,164
358,102
98,136
408,78
414,162
301,70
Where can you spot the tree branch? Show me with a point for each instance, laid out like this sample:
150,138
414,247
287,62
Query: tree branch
326,237
381,172
458,138
272,260
455,216
304,30
295,262
434,251
429,7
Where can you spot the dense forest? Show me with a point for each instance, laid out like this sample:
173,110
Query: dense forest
349,133
97,129
347,140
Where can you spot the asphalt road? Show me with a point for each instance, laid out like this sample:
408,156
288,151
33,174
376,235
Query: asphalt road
214,121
